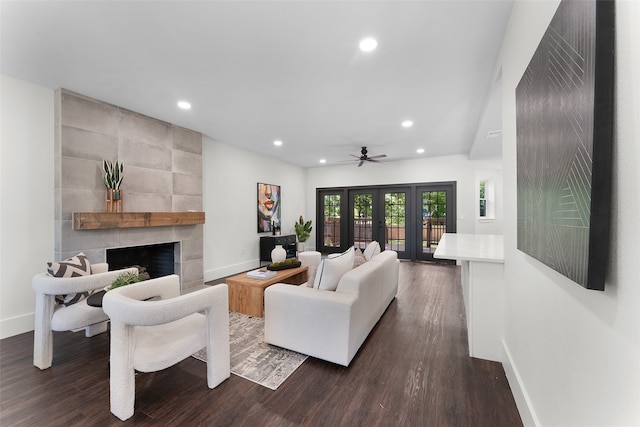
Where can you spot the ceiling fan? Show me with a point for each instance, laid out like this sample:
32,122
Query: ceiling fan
363,157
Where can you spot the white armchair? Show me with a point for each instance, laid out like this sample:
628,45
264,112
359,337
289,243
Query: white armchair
50,316
154,327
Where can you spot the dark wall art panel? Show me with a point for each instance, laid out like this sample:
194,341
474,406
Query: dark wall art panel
564,108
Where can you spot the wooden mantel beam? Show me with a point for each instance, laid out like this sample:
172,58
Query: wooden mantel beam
104,220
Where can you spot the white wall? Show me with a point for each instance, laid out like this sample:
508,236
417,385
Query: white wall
449,168
573,355
26,198
231,176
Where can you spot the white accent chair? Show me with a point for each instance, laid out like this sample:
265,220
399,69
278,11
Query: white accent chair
50,316
153,327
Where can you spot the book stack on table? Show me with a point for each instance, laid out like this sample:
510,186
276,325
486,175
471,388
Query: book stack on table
261,274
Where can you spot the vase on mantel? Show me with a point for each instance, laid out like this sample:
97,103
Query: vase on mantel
278,254
113,200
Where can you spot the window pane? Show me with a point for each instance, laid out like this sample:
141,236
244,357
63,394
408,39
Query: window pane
331,207
433,219
483,208
395,221
362,220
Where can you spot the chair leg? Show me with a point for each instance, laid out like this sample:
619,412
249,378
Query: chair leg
42,333
122,375
93,330
218,351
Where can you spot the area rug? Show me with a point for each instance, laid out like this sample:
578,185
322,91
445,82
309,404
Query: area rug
252,358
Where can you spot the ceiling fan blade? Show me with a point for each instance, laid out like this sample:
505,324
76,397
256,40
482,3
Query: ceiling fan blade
361,162
353,155
379,156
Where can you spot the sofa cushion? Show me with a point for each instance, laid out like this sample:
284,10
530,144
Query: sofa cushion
332,269
371,250
358,258
75,266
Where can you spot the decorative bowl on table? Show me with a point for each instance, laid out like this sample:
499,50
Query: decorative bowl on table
123,280
283,265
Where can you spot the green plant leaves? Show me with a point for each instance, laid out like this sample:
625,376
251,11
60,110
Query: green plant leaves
125,279
113,174
303,229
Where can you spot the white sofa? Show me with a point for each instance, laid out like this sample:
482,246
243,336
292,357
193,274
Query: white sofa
332,325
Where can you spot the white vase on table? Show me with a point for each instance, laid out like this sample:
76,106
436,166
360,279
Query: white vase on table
278,254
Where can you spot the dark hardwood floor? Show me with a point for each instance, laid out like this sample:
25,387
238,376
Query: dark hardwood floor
413,370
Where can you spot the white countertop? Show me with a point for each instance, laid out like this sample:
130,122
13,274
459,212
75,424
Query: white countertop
471,247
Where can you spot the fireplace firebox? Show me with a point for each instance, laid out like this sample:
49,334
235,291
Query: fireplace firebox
159,259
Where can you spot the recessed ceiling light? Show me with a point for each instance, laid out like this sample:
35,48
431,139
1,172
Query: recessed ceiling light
420,150
277,143
368,44
184,105
323,161
407,124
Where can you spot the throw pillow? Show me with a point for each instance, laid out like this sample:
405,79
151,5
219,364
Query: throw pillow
371,250
75,266
332,269
358,258
318,275
311,275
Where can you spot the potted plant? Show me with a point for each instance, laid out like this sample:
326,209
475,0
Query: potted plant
113,174
303,231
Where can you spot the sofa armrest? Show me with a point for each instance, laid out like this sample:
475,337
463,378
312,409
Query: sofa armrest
309,321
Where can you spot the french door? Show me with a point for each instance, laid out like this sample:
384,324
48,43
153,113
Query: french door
380,215
408,219
435,216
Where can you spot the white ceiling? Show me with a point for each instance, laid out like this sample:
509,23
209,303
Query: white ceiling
265,70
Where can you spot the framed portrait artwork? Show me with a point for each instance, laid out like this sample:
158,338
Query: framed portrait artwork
268,207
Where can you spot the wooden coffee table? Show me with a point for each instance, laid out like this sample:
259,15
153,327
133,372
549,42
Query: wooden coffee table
246,295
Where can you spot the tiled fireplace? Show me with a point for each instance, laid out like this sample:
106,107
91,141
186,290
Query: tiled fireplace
162,173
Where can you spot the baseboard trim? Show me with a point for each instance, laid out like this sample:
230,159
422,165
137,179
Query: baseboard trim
519,391
17,325
230,270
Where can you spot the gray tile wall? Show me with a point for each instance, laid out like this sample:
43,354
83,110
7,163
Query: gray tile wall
162,172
